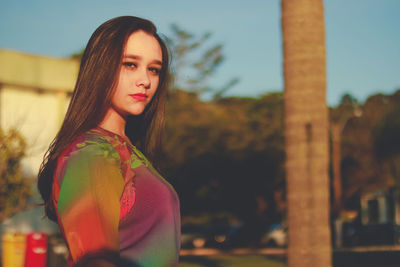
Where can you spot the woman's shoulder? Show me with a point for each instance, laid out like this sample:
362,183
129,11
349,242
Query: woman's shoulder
88,149
92,143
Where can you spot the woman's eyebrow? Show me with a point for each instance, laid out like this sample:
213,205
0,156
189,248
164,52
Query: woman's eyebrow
136,57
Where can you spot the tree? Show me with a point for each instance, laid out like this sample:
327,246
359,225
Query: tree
213,147
363,166
193,64
386,144
14,188
339,116
306,133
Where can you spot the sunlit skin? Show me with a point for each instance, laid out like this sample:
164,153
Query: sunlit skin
137,81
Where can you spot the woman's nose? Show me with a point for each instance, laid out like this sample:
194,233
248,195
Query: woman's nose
143,79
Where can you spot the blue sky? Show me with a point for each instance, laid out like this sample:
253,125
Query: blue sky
362,37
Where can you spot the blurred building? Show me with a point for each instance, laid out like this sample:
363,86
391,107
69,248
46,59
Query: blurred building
34,96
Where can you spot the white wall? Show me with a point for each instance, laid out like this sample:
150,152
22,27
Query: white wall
34,96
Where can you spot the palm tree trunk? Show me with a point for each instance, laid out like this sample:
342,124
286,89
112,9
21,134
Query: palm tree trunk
306,133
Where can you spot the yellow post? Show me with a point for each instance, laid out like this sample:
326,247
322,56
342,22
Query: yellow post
13,252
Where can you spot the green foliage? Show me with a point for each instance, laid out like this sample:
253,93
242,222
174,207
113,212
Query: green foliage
194,61
387,146
348,107
348,99
386,135
226,155
370,151
14,188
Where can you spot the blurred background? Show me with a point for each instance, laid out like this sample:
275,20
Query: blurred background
224,140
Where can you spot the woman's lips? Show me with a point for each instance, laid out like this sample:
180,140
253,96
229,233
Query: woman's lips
139,97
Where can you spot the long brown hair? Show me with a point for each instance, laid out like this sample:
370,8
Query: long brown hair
99,69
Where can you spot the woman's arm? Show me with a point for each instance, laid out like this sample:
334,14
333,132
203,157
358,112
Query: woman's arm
89,202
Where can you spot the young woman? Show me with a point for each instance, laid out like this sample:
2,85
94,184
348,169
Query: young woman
112,206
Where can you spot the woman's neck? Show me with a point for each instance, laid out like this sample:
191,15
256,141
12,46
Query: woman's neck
114,122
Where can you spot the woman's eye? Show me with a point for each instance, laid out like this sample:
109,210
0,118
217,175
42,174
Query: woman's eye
129,64
155,71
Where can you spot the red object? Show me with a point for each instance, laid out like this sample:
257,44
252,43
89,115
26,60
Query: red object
36,250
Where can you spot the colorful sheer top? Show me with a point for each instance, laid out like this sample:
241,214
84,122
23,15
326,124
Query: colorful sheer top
110,200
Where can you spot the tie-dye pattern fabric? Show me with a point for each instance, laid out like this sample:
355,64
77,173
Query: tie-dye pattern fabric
109,198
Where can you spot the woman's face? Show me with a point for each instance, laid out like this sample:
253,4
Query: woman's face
139,75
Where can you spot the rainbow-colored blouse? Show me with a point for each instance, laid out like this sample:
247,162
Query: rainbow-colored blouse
109,198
